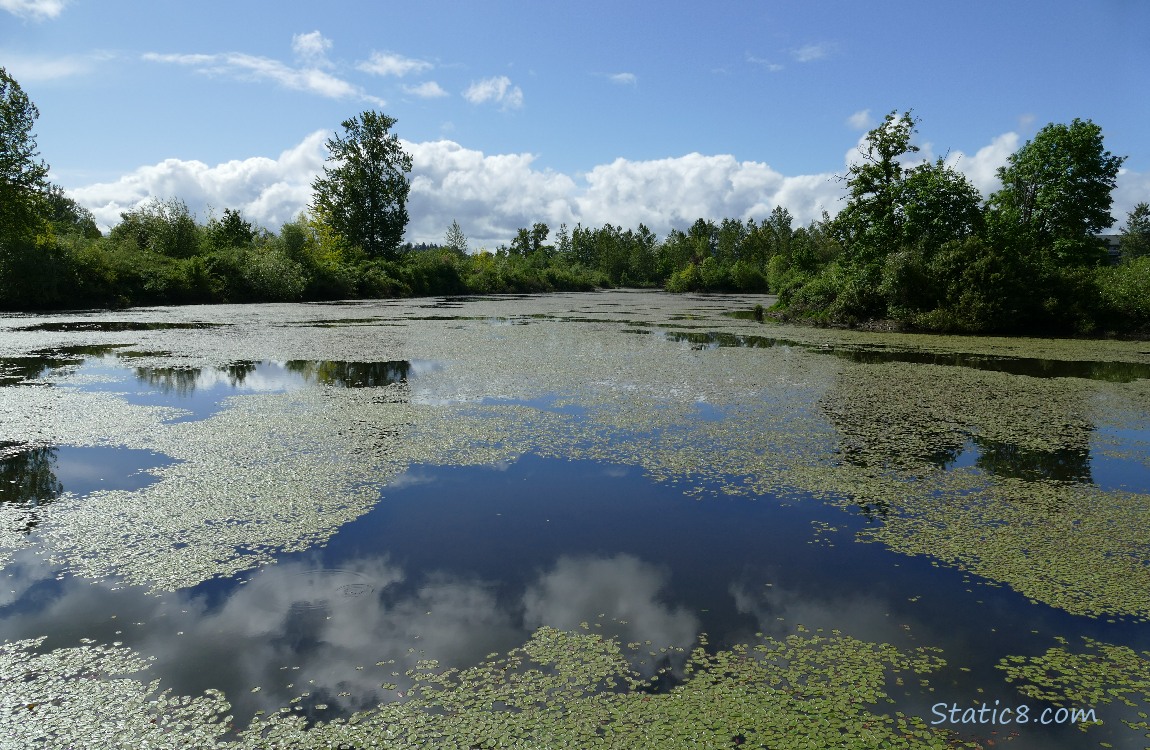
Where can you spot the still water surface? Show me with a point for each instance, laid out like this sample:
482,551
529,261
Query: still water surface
456,562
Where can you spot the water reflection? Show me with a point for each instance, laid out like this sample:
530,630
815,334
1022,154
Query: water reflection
20,370
1068,464
31,477
460,563
27,480
294,628
269,376
1115,372
201,391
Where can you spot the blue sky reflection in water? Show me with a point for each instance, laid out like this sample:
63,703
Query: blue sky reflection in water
457,563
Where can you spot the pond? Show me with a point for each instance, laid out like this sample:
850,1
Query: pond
608,519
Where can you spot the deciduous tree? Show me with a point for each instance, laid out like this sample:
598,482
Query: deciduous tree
363,195
1056,192
23,175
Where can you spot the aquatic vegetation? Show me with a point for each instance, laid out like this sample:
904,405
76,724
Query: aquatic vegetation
1034,480
561,688
1098,674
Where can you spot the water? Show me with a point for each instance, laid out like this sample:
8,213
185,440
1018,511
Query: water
457,563
459,559
1034,367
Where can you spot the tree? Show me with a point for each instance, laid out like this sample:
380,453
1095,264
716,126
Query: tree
1056,192
364,196
936,204
1135,238
455,239
163,227
870,222
23,176
69,217
230,231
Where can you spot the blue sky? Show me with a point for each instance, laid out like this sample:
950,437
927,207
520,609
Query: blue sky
595,112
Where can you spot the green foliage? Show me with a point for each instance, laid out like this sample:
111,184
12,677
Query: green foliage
935,205
1056,192
230,231
23,175
159,227
455,240
912,243
1125,295
869,224
363,198
68,217
976,286
1135,238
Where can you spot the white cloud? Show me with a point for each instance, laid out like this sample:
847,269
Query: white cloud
491,195
1132,188
392,64
312,48
627,590
861,120
498,89
27,69
35,9
247,67
426,90
982,167
812,52
624,79
769,65
268,191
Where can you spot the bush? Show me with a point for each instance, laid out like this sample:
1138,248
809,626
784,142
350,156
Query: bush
1124,293
685,279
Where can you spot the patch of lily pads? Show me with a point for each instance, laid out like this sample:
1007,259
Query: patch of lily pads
560,689
885,436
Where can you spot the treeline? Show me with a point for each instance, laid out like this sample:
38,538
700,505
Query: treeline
160,254
914,244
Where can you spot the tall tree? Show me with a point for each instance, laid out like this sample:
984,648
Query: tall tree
1056,192
936,204
363,197
23,175
455,239
1135,237
870,222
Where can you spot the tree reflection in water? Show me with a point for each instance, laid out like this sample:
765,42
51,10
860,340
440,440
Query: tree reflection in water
28,480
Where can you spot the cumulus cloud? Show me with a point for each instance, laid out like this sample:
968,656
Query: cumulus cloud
392,64
268,191
624,79
426,90
1132,188
498,89
982,167
35,9
310,79
492,195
